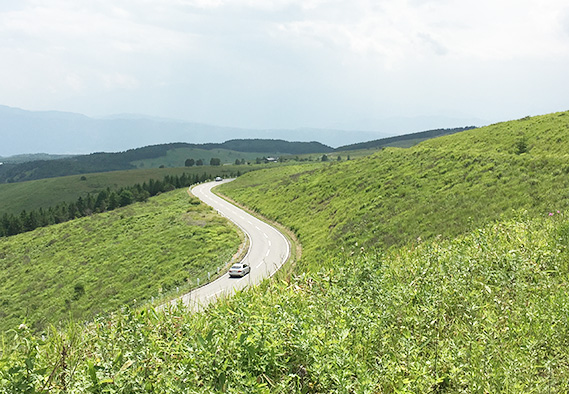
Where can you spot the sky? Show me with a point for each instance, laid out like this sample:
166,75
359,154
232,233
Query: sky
287,63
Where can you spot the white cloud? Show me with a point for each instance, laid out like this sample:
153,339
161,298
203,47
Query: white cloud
206,58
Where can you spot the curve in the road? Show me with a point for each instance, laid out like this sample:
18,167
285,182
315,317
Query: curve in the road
268,250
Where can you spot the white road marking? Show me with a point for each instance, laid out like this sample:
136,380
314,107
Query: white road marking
257,227
266,236
267,254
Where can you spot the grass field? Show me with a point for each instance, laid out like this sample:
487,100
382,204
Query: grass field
443,186
177,157
99,263
44,193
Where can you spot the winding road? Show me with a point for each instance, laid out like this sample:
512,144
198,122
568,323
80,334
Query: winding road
268,250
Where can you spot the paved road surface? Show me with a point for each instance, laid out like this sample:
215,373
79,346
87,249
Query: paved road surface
268,249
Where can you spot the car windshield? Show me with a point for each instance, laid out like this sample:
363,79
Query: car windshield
237,266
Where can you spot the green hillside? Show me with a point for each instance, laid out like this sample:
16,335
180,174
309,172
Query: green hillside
439,268
402,141
442,186
99,263
539,135
154,155
177,157
45,193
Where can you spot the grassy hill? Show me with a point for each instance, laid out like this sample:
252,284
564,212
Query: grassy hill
442,186
380,301
153,156
402,141
177,157
32,157
99,263
45,193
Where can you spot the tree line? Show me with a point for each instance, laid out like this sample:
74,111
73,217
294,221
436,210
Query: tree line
105,200
214,161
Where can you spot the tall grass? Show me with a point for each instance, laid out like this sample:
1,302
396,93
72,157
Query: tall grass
486,312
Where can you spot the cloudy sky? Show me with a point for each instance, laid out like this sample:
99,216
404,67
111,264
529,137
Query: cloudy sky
287,63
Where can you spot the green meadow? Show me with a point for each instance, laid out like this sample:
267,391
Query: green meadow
444,186
438,268
97,264
45,193
177,157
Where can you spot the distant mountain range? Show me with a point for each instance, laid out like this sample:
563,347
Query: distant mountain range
53,132
23,132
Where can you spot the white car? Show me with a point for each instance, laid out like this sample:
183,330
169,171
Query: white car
240,269
218,179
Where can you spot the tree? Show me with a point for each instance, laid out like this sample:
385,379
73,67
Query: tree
214,161
521,145
102,201
189,162
113,201
199,162
324,158
125,198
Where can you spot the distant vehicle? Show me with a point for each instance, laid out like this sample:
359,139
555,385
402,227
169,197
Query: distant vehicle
218,179
240,269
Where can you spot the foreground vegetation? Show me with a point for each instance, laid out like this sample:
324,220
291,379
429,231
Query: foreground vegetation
486,312
99,263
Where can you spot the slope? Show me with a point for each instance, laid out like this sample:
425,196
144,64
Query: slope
45,193
148,156
99,263
442,186
403,141
486,312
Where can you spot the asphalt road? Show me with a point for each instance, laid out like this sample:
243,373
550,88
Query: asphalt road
268,250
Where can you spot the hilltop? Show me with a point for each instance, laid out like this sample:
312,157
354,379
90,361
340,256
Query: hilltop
170,155
403,141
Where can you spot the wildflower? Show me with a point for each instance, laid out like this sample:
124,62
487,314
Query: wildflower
550,213
23,327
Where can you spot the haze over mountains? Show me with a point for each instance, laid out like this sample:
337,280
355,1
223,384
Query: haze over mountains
23,132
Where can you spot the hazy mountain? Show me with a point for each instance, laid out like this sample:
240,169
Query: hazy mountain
24,131
54,132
